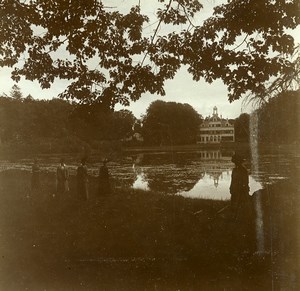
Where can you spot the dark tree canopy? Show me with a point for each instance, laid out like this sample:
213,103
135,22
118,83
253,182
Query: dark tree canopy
170,123
244,43
278,119
52,126
242,128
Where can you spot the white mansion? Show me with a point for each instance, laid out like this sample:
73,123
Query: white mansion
215,129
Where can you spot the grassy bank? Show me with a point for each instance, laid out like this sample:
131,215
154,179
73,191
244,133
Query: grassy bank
136,240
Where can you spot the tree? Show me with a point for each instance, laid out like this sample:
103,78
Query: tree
137,127
241,128
122,124
16,92
278,119
170,123
33,119
244,43
91,122
59,126
29,98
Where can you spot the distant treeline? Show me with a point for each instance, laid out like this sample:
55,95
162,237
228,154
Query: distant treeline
57,126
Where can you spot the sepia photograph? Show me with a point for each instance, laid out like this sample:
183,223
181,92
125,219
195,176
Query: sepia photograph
149,145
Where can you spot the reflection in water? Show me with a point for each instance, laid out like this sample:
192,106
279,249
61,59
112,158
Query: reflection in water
206,174
171,179
191,174
207,187
141,181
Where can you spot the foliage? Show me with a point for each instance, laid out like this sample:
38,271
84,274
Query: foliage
278,119
287,81
108,58
170,123
241,128
49,126
16,92
90,122
22,120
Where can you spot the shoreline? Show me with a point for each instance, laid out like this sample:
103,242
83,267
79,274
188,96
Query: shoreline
237,146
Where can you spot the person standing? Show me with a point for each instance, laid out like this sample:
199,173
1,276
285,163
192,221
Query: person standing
35,178
239,187
104,184
82,180
62,178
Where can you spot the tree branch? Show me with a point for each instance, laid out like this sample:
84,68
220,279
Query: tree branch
241,42
188,18
156,30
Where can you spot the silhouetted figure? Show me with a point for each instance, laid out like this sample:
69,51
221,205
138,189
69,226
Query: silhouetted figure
62,178
104,184
82,180
35,178
239,187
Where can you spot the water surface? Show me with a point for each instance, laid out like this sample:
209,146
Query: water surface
199,174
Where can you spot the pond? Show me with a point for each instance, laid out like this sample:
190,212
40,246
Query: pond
198,174
207,173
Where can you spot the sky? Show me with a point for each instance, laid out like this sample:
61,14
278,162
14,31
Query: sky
200,95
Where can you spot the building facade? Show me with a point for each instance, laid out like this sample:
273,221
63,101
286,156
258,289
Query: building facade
215,129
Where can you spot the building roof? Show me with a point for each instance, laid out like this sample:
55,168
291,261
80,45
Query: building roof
216,118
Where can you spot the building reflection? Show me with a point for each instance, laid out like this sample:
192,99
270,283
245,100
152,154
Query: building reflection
215,163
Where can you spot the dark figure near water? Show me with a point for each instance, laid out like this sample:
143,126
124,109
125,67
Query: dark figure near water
82,181
239,188
104,184
62,177
35,178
